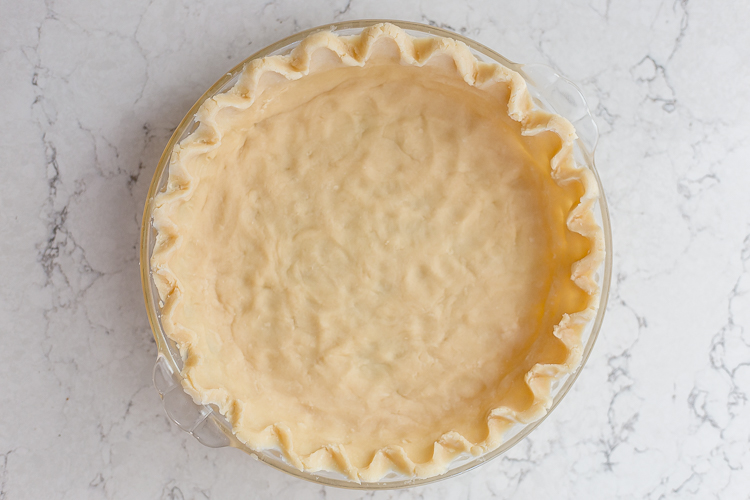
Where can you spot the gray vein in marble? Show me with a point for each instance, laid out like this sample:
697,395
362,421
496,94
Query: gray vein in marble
648,71
684,23
621,383
4,473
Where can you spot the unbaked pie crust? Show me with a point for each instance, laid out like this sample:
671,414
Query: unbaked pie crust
376,253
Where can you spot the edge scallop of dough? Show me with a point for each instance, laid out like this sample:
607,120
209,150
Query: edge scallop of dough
355,51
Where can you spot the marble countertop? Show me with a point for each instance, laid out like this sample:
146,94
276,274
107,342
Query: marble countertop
91,93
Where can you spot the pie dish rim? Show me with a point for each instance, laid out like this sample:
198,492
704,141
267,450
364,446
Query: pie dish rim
169,356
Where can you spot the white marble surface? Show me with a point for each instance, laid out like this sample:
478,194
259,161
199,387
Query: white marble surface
90,93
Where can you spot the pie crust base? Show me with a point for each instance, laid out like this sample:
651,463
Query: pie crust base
376,254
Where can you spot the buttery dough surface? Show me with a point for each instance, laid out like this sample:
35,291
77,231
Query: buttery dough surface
371,258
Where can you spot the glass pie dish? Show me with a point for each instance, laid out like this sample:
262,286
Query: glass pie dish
550,92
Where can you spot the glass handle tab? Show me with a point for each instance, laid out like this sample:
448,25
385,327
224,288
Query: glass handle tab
200,421
565,99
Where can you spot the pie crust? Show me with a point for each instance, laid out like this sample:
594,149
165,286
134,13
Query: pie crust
376,254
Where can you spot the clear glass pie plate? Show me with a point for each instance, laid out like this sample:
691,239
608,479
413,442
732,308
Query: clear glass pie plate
551,92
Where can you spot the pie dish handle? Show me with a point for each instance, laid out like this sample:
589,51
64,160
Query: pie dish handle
201,421
563,97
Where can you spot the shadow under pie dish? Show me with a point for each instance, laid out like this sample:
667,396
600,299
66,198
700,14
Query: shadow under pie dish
376,254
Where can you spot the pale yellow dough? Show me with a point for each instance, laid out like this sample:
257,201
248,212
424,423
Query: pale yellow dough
366,250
